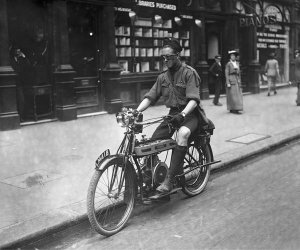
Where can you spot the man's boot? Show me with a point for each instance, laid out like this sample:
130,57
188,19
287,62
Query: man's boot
176,167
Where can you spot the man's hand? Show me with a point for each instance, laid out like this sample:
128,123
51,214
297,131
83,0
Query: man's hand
177,120
135,112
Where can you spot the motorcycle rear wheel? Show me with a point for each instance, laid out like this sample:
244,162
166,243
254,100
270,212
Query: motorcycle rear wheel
109,201
197,179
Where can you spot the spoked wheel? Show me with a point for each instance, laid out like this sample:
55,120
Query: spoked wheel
196,180
111,197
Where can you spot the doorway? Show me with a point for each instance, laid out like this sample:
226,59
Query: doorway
30,58
85,46
214,31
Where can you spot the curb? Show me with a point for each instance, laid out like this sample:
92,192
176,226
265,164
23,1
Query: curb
66,217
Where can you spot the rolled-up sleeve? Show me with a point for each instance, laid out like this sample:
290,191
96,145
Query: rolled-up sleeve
193,86
155,92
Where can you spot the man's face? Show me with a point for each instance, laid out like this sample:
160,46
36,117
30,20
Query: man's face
218,59
169,56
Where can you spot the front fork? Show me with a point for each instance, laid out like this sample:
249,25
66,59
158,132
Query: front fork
115,177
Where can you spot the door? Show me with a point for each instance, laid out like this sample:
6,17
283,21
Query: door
85,47
214,47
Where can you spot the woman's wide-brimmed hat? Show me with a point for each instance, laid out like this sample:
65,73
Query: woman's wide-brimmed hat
230,52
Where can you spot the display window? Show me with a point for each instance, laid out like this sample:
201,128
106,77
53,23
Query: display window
139,40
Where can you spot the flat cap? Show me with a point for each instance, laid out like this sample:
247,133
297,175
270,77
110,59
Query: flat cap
173,43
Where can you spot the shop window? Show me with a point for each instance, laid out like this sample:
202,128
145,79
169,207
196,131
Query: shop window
82,21
139,41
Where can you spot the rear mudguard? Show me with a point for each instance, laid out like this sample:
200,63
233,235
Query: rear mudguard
211,152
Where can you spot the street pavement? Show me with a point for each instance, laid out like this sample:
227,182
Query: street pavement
45,169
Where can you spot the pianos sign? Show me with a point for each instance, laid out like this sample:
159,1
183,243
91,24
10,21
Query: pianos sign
257,21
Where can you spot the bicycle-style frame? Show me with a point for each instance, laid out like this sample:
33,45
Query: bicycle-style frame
124,173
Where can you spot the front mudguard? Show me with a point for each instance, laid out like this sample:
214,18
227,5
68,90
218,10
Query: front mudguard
105,158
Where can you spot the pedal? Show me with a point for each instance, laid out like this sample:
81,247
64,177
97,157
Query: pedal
147,202
159,196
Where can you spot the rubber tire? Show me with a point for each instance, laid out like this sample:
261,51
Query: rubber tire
197,188
130,175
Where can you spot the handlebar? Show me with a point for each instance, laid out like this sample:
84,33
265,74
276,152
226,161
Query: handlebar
129,118
149,122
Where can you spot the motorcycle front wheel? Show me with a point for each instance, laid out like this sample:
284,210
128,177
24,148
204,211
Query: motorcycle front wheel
111,197
196,180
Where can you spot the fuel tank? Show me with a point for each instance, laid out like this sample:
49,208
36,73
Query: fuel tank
154,146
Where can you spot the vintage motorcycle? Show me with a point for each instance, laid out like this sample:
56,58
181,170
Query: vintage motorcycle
133,173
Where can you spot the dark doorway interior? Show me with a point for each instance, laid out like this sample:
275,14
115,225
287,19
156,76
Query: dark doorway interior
214,41
29,55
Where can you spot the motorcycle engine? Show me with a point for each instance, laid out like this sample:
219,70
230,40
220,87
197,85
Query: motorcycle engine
159,173
154,171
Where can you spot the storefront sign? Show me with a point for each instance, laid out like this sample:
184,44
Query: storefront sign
158,5
271,40
122,9
187,17
257,21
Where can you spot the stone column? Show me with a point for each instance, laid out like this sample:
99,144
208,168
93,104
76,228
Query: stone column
202,66
295,27
231,26
253,64
9,117
199,45
111,72
63,72
287,56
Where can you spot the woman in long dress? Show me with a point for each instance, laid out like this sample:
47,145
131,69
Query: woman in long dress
233,84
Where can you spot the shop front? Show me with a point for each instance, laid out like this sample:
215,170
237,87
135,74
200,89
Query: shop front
265,28
65,59
140,29
274,37
57,61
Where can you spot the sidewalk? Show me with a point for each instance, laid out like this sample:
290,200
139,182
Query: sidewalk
46,168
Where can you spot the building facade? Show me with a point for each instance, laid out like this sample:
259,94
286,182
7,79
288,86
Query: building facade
61,59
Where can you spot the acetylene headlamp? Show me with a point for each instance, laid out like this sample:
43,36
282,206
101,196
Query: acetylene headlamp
125,118
121,119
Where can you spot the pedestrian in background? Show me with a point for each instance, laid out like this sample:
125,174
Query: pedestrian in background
216,71
272,72
297,74
233,84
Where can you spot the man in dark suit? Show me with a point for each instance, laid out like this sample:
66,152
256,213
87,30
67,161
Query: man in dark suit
216,71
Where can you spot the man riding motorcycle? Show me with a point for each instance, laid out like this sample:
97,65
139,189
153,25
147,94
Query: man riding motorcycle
179,87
